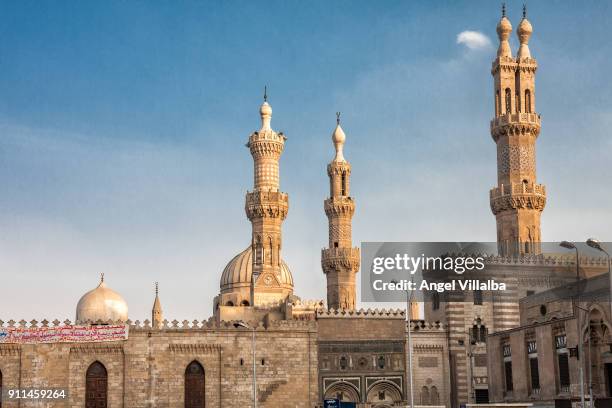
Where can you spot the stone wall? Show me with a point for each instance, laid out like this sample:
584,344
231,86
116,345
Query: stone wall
147,370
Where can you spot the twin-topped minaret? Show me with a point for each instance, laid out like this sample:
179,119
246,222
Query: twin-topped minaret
340,261
518,200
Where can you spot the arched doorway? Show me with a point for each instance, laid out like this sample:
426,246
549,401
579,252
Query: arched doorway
194,385
343,391
596,338
383,394
96,386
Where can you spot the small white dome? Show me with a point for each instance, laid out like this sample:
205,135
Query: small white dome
101,303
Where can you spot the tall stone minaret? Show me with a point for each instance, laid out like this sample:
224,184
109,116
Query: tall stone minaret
340,261
266,207
518,200
157,316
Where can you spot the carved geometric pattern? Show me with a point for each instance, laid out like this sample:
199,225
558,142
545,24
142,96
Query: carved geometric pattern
516,158
524,201
338,259
270,204
339,206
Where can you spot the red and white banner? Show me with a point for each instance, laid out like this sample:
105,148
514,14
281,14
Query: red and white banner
62,334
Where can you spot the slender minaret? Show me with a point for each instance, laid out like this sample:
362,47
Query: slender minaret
157,315
266,207
340,262
518,200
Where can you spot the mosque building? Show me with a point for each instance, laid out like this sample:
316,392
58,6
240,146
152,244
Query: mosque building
264,346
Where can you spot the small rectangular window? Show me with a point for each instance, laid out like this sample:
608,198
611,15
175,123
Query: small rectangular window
478,297
508,373
564,375
535,374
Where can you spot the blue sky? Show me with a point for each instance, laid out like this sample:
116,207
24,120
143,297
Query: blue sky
122,131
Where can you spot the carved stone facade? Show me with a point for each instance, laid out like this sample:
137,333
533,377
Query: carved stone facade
365,359
535,361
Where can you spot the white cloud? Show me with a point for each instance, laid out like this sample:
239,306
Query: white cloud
474,40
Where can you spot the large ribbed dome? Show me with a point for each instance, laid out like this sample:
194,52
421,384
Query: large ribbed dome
101,303
239,270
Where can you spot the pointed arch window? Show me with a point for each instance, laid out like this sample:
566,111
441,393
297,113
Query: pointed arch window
497,103
343,363
434,396
194,385
343,184
435,301
96,386
424,396
259,256
508,101
527,101
477,297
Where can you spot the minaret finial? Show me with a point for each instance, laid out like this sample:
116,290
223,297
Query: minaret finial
156,288
524,10
338,118
504,9
265,93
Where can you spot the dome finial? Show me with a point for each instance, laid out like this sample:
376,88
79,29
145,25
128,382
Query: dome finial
265,111
102,277
524,33
338,138
504,28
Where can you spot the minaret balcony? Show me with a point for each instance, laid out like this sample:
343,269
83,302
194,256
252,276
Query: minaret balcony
514,123
518,196
340,258
273,204
339,205
518,188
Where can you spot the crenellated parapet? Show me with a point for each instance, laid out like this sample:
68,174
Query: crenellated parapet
361,314
533,260
425,326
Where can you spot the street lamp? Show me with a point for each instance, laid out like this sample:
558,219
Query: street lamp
409,318
246,326
569,245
